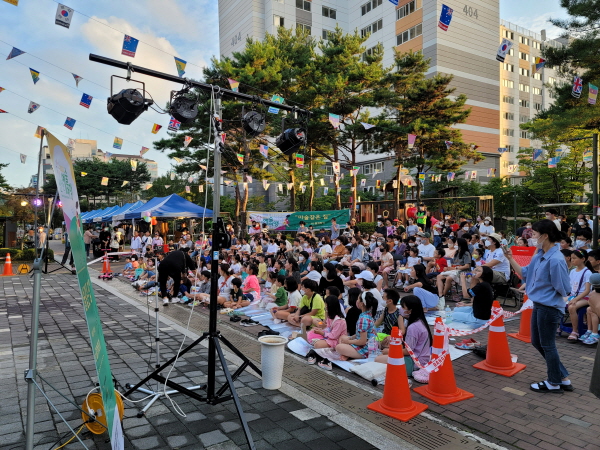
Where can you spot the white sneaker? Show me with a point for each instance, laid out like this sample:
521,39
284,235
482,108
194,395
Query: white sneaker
406,283
165,302
441,303
276,321
175,300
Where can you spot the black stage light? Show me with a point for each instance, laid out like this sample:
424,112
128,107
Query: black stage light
184,109
290,140
254,123
127,105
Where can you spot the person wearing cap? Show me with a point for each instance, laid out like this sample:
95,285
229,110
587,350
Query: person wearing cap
496,260
487,228
366,279
426,249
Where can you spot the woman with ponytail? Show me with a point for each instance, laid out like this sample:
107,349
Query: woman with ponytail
356,347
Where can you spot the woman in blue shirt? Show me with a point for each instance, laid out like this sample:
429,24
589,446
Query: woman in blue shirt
548,283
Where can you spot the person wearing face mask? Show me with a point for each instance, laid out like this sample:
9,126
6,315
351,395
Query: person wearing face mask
496,260
578,225
584,238
412,229
548,283
380,229
303,261
464,229
487,228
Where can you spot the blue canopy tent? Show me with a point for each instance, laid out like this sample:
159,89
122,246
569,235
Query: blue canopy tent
170,206
107,212
119,213
87,214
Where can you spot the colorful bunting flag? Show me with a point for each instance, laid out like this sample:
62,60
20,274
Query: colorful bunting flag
235,85
104,181
186,141
445,17
265,184
421,176
299,161
86,101
276,99
13,2
129,46
177,160
23,158
355,170
338,190
33,107
395,2
203,167
3,112
538,64
118,143
174,124
35,75
289,186
593,94
155,128
240,158
325,190
474,147
148,186
248,178
450,176
448,144
180,65
167,186
501,149
322,181
125,183
503,49
38,132
467,175
334,119
577,87
228,182
143,151
1,89
71,144
336,167
190,179
107,156
552,162
537,154
411,140
280,187
491,173
363,182
367,126
83,174
265,164
134,164
172,176
201,188
264,150
587,156
14,53
187,189
223,137
77,79
70,123
473,175
303,189
64,14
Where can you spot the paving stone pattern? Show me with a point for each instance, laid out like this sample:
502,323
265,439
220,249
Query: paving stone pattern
65,361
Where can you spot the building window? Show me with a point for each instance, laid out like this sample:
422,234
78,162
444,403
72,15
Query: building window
509,34
524,103
329,171
278,21
524,72
371,168
511,52
537,76
523,40
329,12
508,132
301,26
508,99
523,87
537,106
523,119
551,81
407,35
524,56
404,11
524,134
553,94
368,145
536,91
508,67
509,148
375,26
327,34
372,4
508,83
509,116
369,52
537,45
303,4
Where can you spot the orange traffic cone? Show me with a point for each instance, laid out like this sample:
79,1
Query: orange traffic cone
396,401
442,384
498,359
106,265
524,333
7,266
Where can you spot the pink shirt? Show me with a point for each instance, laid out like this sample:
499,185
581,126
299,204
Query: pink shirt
335,329
251,285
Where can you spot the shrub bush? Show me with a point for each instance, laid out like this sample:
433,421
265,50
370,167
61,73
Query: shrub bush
366,227
27,254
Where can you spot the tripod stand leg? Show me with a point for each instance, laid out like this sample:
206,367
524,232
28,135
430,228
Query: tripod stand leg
240,354
236,399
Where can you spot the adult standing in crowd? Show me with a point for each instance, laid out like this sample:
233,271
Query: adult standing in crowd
173,265
88,236
136,242
335,229
548,283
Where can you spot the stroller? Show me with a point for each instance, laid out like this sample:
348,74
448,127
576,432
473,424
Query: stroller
97,248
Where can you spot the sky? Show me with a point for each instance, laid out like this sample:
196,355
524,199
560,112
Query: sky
187,29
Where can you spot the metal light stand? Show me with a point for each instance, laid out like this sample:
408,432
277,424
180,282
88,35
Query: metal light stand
159,392
31,373
213,336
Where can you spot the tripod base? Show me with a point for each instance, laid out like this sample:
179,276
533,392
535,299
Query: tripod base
156,395
211,397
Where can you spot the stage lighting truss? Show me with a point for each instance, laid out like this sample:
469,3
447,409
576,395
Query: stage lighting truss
291,139
183,106
128,104
253,123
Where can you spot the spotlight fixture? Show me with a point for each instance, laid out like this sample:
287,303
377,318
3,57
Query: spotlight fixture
184,109
37,202
254,123
290,140
23,202
127,105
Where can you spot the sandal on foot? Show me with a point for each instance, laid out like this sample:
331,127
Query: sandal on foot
573,337
567,387
542,387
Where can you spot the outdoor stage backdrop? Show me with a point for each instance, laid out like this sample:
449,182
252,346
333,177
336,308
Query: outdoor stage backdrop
286,221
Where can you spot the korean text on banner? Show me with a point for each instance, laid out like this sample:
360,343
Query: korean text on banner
284,221
65,181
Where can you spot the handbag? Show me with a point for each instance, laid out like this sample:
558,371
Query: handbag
305,309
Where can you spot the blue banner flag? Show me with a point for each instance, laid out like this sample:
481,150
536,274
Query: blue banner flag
276,99
70,123
180,64
537,154
129,46
86,101
394,2
445,17
174,124
14,53
35,75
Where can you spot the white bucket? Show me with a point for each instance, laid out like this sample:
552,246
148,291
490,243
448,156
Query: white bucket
271,360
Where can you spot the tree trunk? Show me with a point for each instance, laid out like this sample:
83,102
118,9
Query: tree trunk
292,180
237,207
336,179
354,187
311,182
398,189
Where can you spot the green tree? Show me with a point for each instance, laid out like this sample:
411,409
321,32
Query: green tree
420,105
3,183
